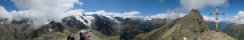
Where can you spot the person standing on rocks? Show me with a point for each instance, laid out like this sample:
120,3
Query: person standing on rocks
84,35
71,35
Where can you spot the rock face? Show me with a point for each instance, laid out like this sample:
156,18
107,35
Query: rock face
212,35
73,22
130,29
52,26
104,25
13,31
190,27
48,31
117,27
235,30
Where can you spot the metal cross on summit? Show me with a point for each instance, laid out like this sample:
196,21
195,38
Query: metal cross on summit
217,13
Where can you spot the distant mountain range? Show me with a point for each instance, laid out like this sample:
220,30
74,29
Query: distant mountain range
232,29
235,30
107,25
127,28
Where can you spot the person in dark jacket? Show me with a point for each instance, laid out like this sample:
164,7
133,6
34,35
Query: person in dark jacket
71,36
82,36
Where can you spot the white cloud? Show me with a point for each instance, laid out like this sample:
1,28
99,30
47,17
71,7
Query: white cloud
208,18
171,14
4,13
110,15
168,15
48,5
197,4
115,14
41,11
238,18
46,8
187,5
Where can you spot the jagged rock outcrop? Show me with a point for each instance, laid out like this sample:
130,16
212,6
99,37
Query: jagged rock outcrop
52,31
191,27
13,31
52,26
104,25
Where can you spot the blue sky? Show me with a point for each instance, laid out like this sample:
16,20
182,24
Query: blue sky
145,7
232,8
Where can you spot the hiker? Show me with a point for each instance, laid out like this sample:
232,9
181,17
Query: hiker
71,35
84,35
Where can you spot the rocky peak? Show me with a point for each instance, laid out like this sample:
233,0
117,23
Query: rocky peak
190,27
51,27
195,12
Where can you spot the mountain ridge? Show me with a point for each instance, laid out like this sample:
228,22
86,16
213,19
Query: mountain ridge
191,27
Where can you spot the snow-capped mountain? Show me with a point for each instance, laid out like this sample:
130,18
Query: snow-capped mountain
15,21
107,25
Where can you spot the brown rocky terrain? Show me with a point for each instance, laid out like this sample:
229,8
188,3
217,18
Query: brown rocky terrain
190,27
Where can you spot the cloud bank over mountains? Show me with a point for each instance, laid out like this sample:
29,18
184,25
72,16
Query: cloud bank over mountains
41,11
238,18
115,14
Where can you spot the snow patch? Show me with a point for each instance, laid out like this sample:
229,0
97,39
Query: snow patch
89,19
